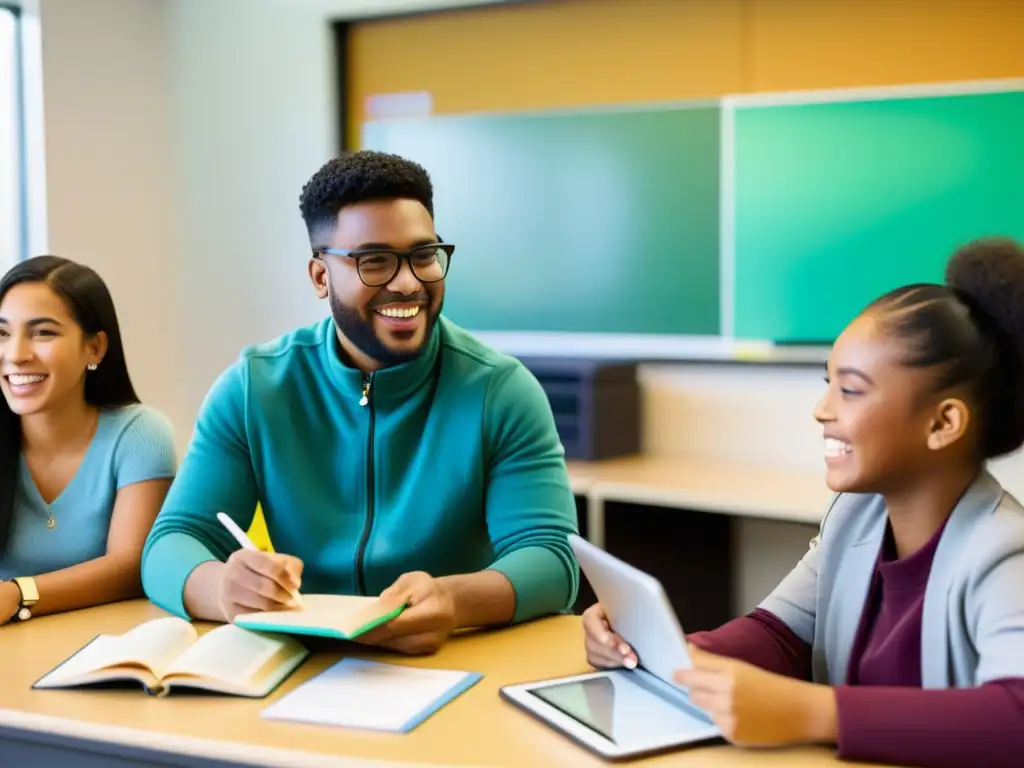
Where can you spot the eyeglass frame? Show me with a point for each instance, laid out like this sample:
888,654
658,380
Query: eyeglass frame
401,256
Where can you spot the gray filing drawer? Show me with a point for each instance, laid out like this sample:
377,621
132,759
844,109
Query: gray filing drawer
596,404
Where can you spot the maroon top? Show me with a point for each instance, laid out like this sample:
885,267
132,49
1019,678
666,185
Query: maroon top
887,649
883,713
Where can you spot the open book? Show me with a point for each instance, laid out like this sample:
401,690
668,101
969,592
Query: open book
168,653
343,617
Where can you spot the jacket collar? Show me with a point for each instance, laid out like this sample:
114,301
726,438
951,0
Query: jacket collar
978,502
388,385
856,566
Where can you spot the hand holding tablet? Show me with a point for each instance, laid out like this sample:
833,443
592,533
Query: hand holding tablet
633,706
633,620
605,649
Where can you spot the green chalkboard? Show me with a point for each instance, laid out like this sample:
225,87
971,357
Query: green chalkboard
600,221
835,203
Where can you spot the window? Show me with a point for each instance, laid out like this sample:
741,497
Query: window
12,187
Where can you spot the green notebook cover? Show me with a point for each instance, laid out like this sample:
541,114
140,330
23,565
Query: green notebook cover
341,617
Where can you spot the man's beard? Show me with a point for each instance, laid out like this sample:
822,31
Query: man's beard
361,333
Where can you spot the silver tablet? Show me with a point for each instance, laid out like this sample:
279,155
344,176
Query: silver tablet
623,713
618,714
637,607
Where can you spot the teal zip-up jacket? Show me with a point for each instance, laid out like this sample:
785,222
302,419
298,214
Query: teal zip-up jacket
448,464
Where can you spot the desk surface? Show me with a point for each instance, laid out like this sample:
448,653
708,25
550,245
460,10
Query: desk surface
734,488
477,729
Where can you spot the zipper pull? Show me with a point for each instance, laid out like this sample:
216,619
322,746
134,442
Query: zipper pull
365,399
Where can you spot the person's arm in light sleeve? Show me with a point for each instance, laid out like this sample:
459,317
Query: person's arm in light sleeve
777,635
794,600
530,511
188,543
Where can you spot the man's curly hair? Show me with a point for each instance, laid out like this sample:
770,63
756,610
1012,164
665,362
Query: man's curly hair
355,178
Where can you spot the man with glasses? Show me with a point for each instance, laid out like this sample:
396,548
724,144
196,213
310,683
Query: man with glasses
390,451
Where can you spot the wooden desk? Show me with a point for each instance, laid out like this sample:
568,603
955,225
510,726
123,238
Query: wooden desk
730,488
106,727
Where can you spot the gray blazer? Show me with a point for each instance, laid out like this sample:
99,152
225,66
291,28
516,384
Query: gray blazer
973,625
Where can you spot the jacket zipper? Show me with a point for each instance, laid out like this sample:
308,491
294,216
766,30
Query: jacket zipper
365,401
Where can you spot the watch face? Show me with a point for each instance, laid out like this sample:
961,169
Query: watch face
29,592
24,614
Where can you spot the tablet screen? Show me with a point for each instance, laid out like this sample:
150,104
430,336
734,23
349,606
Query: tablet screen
626,713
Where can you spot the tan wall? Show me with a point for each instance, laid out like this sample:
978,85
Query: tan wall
110,176
583,52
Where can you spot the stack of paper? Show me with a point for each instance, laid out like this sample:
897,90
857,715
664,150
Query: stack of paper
356,693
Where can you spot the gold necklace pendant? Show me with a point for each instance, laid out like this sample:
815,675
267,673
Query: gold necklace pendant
51,522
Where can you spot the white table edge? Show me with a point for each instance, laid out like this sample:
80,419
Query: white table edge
182,745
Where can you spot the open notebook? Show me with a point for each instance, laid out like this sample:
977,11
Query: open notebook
168,653
342,617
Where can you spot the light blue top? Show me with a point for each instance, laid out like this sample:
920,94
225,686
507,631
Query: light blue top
132,444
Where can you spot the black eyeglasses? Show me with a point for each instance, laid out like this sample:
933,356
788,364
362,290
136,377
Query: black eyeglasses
379,266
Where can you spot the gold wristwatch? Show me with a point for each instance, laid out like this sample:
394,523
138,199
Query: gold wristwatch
29,597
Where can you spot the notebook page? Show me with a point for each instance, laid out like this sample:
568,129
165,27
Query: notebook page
328,611
227,653
363,694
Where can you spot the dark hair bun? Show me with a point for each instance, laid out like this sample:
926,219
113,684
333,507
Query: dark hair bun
988,276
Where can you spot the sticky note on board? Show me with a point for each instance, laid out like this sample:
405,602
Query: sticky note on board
753,351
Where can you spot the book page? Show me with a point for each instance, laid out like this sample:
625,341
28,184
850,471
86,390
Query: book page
94,656
357,693
343,613
152,646
155,644
230,653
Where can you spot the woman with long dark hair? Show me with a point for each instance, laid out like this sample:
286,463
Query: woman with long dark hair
84,467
